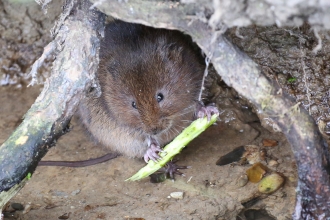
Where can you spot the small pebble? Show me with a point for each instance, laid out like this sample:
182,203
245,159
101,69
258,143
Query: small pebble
27,208
17,206
256,172
8,208
65,216
273,163
242,180
57,193
271,183
254,154
269,143
75,192
292,179
177,195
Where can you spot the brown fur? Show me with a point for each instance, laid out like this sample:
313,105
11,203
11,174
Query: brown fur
136,64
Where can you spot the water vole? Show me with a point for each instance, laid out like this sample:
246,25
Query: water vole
150,81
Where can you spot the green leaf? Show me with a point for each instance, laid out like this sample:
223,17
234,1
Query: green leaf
292,80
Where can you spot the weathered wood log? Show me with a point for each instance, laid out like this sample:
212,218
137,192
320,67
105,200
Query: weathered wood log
73,76
240,72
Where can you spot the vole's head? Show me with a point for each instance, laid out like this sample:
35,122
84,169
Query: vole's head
152,84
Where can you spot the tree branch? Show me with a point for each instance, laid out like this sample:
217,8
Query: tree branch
73,74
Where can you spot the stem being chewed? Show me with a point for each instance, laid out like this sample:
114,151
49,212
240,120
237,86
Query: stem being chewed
173,148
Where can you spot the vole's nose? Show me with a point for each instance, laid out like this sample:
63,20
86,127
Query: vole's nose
155,130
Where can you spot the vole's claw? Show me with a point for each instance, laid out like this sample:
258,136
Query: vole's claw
146,158
206,110
149,155
152,153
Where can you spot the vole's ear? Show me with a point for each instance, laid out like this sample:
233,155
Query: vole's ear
109,66
175,53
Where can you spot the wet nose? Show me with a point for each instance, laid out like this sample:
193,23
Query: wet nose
155,130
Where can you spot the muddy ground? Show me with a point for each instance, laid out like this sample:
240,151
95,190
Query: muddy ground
100,191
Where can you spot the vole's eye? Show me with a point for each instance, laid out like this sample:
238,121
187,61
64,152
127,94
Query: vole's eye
134,105
160,97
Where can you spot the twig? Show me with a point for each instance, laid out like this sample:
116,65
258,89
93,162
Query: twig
319,41
306,85
73,74
206,72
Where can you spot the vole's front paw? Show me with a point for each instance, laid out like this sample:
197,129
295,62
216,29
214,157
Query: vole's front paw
171,168
168,171
152,152
206,110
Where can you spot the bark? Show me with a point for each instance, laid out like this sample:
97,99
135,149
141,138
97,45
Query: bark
240,72
73,75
